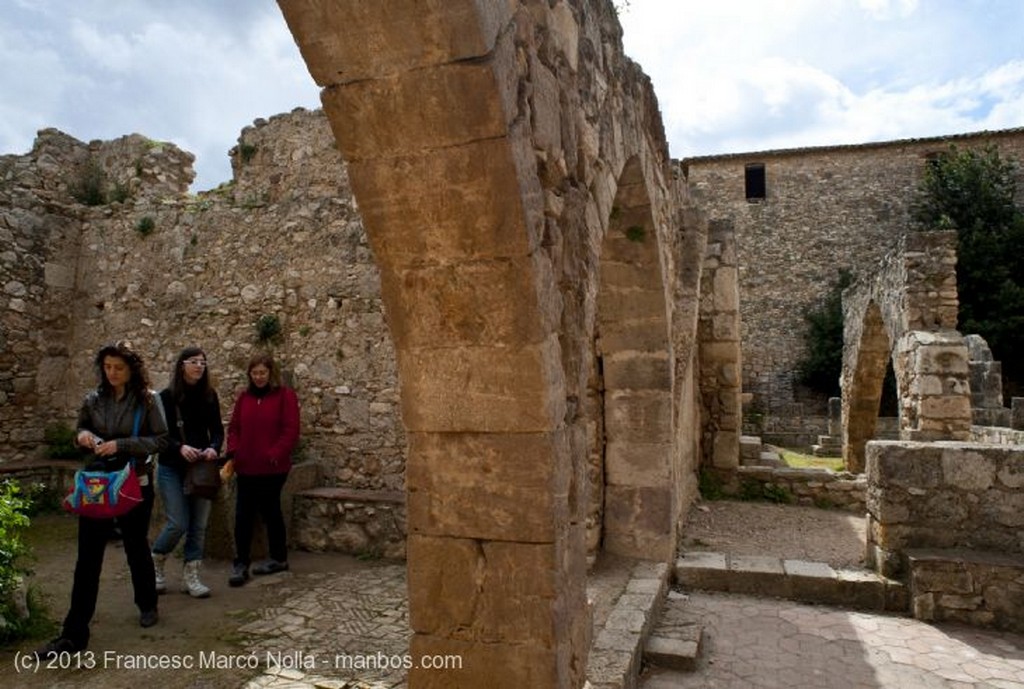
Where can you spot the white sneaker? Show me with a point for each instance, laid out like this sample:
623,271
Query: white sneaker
191,583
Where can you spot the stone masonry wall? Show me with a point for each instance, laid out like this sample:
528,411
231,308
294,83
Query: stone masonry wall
942,495
285,239
826,209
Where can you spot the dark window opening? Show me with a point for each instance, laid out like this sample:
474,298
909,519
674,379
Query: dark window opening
755,182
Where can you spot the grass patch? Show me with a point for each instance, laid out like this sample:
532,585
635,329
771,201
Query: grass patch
798,460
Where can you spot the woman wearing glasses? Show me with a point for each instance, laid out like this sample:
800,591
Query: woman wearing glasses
196,433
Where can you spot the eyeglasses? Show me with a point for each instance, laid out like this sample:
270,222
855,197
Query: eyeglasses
196,362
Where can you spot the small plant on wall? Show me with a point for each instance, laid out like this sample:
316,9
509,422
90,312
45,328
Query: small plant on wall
145,225
268,329
635,233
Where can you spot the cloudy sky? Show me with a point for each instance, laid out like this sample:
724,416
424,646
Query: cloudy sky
731,75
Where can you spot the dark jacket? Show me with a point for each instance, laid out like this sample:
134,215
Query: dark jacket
200,425
112,419
263,431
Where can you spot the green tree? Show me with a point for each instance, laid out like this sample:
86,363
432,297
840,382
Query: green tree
972,191
822,364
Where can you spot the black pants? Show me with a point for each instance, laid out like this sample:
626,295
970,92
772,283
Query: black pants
259,495
93,535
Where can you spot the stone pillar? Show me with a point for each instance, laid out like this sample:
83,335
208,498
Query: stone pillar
718,332
422,101
935,397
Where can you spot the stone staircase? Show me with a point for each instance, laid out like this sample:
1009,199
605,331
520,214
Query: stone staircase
753,453
676,641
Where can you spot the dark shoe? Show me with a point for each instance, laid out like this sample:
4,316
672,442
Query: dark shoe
239,575
148,618
269,567
54,648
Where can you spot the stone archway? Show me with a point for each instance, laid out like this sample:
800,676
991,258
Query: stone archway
635,356
863,395
906,312
484,142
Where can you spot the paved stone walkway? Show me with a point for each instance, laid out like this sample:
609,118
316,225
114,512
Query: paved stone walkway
755,643
336,631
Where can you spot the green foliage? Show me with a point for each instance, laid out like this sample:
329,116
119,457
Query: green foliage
60,442
972,192
145,225
13,522
635,233
822,364
246,152
268,328
90,187
710,485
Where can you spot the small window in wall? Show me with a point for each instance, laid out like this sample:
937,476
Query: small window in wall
756,187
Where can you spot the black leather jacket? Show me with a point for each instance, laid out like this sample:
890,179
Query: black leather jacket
112,419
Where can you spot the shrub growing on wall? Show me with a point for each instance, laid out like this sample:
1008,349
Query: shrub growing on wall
972,191
822,365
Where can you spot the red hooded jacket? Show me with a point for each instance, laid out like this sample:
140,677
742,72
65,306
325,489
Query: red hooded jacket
263,432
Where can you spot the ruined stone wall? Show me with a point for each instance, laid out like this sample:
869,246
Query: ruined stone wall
284,240
942,495
825,209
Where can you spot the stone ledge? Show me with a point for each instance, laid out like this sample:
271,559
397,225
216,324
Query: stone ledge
808,582
980,588
354,494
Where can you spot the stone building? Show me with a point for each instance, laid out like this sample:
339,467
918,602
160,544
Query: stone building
798,217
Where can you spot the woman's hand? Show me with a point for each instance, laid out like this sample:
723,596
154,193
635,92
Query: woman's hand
191,454
208,455
87,440
106,449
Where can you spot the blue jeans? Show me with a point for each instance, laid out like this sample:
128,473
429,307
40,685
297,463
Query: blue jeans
186,515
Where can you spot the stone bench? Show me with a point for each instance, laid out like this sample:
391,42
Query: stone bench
364,523
980,588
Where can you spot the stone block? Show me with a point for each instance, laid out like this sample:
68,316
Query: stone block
638,416
813,582
478,212
757,575
860,589
527,664
637,371
488,592
483,389
702,570
468,303
637,464
671,653
511,487
354,41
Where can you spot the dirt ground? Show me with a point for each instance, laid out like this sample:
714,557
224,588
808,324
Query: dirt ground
784,531
187,626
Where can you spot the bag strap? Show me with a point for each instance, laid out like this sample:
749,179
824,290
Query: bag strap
135,428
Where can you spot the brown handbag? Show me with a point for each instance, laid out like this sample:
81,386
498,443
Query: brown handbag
202,479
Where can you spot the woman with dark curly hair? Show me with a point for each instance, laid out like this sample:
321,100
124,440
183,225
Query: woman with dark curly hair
107,427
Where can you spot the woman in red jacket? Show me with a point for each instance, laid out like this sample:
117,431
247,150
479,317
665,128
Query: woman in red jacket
263,431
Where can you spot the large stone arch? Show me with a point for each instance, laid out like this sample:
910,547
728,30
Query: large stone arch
487,144
907,313
635,356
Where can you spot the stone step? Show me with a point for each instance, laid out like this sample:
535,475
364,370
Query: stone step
798,580
678,640
620,635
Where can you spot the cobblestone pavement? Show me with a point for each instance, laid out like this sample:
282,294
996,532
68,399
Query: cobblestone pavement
758,643
337,631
